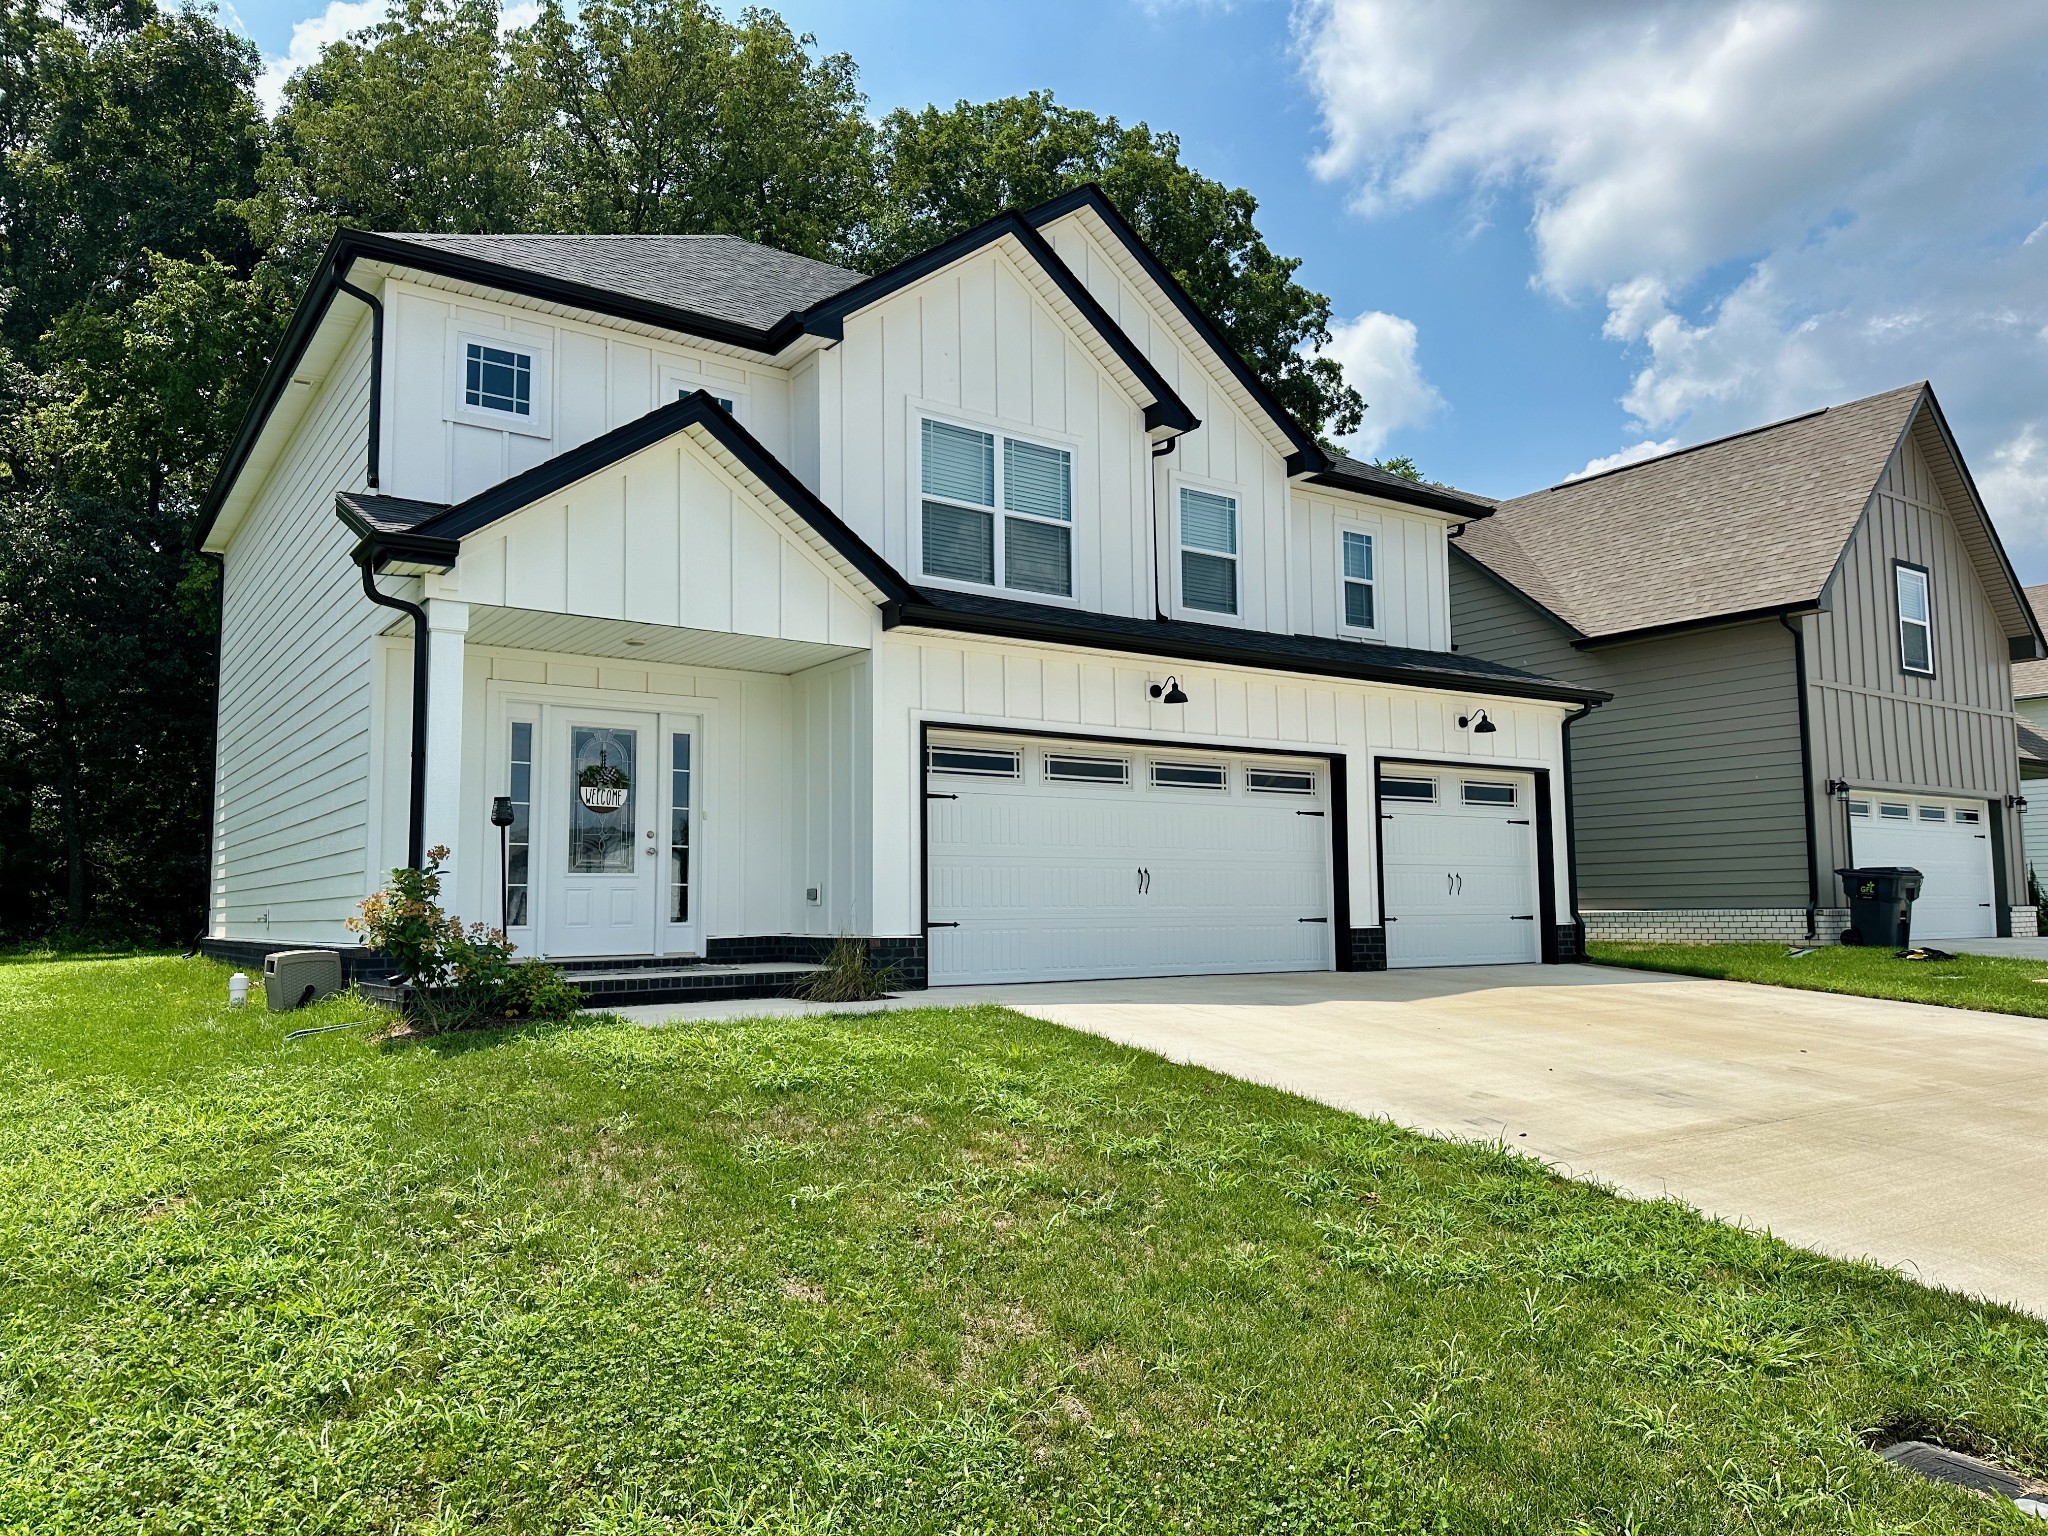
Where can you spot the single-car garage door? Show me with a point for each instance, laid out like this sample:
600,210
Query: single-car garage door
1064,861
1948,842
1458,849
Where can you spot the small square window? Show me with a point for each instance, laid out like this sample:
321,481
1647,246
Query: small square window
498,379
1067,768
1190,776
976,762
1408,789
1279,781
1484,792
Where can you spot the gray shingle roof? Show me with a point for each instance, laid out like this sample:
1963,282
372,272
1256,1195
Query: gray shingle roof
1748,522
2030,678
389,514
719,276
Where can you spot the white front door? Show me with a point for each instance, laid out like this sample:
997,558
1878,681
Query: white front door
601,864
1064,861
1459,853
1948,842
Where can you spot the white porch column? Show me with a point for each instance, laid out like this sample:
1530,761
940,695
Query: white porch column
447,625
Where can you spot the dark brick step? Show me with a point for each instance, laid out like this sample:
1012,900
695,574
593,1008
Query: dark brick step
628,986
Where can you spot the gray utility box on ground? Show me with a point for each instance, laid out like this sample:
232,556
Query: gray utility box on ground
293,978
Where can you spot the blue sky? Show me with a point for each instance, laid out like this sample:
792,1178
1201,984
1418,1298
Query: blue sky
1561,231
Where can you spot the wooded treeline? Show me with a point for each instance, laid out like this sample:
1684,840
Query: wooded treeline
156,227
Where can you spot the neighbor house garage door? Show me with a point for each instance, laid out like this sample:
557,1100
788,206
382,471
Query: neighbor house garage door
1458,850
1063,861
1948,842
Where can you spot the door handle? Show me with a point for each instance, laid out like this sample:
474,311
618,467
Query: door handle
1461,885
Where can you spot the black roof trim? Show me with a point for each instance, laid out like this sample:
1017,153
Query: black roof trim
1090,195
379,541
696,409
828,317
1183,640
1408,492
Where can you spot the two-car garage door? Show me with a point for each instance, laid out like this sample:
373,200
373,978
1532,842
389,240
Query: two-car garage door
1053,860
1058,861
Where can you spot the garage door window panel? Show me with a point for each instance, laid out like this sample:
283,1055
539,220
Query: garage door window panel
1208,776
1486,792
1064,768
1279,781
997,511
1415,790
975,762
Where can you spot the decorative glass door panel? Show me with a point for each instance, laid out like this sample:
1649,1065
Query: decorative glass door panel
605,852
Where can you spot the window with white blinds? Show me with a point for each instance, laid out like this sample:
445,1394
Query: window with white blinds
1360,609
1022,540
1208,551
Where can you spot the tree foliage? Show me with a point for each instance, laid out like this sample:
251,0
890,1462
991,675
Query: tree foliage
155,228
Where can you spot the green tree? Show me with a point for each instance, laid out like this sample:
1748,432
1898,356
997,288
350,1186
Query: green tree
416,123
1400,464
665,118
945,170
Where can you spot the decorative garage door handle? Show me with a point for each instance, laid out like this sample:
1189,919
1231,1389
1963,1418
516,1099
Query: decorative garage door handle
1454,885
1144,882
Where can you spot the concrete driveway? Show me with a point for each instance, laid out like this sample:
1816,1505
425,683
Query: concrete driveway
1912,1135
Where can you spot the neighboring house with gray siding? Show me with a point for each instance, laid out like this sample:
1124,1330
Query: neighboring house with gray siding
1808,630
2030,702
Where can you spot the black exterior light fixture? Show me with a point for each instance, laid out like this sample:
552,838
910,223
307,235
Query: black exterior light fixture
2017,803
1838,789
1168,692
501,818
1477,723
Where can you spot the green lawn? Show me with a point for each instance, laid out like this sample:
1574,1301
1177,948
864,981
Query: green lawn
1968,981
929,1271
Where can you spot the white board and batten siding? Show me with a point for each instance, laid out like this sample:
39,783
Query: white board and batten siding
665,536
975,344
1411,575
596,378
294,818
940,680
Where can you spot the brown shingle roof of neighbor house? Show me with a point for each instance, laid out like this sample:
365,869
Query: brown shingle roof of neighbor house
2033,748
2030,678
721,276
1745,523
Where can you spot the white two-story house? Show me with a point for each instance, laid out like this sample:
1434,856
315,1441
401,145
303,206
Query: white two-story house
988,608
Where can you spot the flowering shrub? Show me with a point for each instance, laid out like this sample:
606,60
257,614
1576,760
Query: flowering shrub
459,975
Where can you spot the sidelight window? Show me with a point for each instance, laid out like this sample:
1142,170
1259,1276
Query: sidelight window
679,828
519,836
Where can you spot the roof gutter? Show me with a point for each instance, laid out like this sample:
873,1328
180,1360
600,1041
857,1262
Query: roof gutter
1779,611
1571,822
922,615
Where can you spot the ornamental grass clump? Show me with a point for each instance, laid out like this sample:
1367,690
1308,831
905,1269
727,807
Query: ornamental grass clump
849,975
456,977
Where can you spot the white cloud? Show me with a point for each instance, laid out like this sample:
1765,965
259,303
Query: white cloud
1634,453
1377,353
1782,203
309,37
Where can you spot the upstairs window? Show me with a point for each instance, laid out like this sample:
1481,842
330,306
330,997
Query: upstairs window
1360,611
1208,551
1916,627
498,379
1025,540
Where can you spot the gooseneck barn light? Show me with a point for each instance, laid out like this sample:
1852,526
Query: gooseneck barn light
1168,692
1477,723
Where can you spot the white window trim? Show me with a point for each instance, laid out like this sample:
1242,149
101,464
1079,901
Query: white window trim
1176,483
953,416
677,381
541,349
1900,571
1378,628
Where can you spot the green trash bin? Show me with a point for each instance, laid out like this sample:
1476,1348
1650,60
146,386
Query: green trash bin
1880,904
